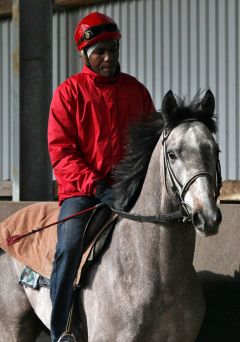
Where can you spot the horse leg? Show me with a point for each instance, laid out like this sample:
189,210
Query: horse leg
18,322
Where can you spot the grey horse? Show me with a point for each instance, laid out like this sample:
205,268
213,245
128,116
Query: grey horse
144,287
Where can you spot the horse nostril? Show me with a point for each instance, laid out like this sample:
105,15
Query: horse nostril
197,219
208,224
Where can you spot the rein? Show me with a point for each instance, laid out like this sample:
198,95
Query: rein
163,218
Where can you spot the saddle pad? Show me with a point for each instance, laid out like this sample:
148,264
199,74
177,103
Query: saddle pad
37,250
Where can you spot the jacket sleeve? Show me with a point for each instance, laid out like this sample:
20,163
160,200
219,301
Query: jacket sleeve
70,168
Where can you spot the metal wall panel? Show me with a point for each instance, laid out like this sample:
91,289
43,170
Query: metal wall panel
183,45
5,99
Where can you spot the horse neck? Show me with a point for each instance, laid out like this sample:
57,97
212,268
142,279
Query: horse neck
156,244
154,198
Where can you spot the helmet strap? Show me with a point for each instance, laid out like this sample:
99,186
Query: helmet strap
86,59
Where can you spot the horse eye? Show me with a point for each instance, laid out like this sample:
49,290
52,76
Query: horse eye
171,156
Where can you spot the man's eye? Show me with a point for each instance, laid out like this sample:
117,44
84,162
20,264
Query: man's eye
99,51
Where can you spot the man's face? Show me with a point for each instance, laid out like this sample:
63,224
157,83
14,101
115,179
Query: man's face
104,59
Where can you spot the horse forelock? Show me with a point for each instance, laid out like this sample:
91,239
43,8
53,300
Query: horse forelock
143,136
193,110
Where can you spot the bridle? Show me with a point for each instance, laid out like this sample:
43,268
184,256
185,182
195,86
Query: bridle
178,190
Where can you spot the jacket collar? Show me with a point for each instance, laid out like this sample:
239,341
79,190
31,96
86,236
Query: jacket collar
99,79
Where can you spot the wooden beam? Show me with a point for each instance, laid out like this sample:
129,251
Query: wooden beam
6,5
77,3
230,191
5,8
5,188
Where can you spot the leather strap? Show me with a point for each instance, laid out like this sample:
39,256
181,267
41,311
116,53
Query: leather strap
163,218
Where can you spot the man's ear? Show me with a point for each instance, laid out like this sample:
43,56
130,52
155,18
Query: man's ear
82,57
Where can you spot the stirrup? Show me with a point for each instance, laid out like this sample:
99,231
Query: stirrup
67,337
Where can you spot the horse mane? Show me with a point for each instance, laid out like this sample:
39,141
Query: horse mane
143,136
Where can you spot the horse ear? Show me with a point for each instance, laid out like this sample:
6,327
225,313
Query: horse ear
208,102
169,104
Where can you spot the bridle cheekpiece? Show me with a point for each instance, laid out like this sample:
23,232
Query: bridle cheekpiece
179,190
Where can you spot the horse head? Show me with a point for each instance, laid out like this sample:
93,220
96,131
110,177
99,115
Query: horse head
192,168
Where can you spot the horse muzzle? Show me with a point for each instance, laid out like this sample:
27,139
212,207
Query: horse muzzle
207,224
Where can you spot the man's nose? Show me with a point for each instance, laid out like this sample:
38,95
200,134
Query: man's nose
107,56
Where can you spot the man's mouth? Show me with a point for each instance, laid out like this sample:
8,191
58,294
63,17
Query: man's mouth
108,66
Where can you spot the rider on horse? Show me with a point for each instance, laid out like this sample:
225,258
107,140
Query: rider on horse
89,116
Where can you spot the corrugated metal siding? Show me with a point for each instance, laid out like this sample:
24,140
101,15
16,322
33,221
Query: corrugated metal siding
5,99
183,45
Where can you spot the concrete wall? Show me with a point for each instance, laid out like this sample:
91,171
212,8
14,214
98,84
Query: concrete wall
221,253
217,260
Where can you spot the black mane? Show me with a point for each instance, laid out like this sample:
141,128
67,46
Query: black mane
143,136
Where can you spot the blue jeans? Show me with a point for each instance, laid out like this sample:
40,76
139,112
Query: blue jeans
66,261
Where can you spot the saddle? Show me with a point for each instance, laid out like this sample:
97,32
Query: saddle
37,251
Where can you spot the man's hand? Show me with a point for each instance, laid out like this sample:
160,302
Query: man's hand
105,194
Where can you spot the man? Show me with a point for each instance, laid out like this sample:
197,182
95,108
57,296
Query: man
89,116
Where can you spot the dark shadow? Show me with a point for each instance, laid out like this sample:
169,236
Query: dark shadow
222,318
44,336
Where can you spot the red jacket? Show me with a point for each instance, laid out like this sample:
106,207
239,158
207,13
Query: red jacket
89,115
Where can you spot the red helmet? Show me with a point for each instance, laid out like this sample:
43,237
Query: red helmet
94,28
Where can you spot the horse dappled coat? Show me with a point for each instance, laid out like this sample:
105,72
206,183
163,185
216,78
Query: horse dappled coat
144,287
